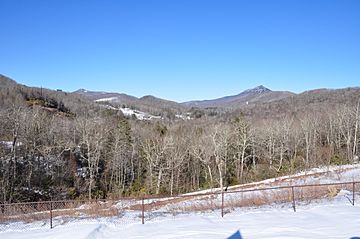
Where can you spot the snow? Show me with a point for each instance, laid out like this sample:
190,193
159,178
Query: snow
106,99
326,220
139,114
9,144
325,174
335,218
183,117
324,217
129,112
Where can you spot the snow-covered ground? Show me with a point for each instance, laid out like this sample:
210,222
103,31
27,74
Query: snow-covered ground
327,215
146,116
106,99
335,218
9,144
139,114
184,117
129,112
325,174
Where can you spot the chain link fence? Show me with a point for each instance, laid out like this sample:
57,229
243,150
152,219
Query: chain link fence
125,211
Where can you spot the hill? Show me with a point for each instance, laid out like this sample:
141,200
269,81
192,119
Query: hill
259,94
6,81
149,104
308,102
258,102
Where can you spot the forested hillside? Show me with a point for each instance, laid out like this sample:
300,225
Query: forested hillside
58,145
150,104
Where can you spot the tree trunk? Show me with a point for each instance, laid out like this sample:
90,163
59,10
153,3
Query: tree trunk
171,182
242,162
158,184
211,177
356,129
220,176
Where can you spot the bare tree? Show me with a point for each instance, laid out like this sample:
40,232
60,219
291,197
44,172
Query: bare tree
219,136
155,148
201,150
243,136
92,137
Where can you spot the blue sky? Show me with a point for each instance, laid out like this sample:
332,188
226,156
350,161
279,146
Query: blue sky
181,49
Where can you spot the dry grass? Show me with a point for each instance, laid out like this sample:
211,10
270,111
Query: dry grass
203,204
29,212
260,198
41,211
100,209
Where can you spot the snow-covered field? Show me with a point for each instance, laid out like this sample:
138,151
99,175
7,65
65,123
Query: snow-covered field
329,216
335,218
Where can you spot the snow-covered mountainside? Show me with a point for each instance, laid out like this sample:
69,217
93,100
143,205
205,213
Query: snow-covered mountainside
146,103
109,99
138,114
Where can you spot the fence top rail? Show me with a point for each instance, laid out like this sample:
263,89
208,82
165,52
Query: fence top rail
293,186
218,192
71,201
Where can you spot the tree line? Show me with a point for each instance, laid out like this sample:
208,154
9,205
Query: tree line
50,155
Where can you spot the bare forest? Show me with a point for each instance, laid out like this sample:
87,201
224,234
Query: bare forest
57,145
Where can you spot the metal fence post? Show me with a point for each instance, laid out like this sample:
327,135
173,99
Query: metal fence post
142,211
51,216
353,201
222,204
293,198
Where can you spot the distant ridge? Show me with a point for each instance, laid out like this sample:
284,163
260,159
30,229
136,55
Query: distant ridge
6,81
146,103
96,95
257,102
257,94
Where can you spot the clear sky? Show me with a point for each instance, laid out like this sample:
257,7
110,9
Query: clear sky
181,49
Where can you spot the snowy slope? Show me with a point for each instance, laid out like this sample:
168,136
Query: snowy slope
326,174
106,99
335,218
138,114
326,216
146,116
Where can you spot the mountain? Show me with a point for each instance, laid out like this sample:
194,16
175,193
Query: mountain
308,102
100,96
258,102
6,81
152,100
255,95
149,103
13,94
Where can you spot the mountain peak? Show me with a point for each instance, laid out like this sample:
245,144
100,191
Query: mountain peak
258,89
81,91
148,97
241,98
